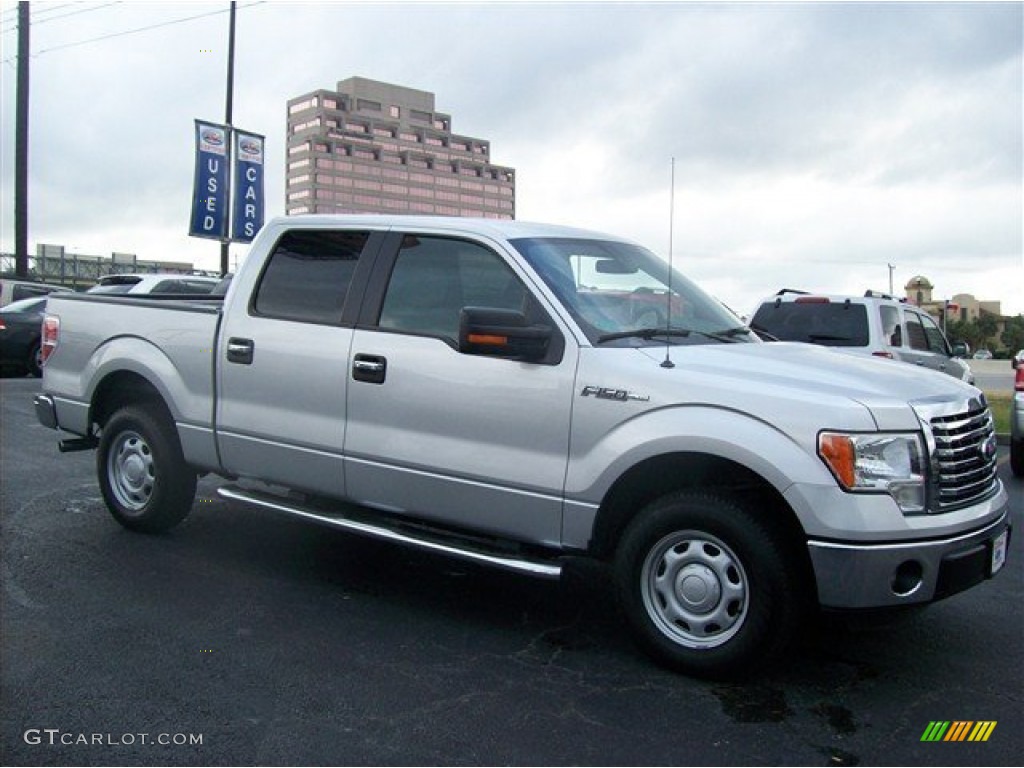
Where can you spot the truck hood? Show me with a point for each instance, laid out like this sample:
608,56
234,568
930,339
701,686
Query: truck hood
816,374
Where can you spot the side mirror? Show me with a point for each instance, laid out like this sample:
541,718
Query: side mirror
502,332
960,349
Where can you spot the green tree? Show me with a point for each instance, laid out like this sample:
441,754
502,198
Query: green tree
1013,334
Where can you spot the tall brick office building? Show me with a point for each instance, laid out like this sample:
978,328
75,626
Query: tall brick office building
372,147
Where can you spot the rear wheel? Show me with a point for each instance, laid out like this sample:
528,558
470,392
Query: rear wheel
143,476
706,586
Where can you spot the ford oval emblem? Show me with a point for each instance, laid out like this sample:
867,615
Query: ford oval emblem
988,449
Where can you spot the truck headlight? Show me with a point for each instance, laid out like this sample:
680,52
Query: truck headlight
878,463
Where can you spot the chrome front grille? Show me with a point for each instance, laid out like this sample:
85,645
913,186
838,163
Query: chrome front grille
963,449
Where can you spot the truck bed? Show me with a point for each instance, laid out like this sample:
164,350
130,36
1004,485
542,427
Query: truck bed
170,341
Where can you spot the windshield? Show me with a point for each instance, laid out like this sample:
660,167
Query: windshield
619,294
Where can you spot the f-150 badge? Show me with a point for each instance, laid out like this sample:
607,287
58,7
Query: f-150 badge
610,393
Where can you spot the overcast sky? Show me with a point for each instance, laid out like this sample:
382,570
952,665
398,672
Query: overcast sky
814,143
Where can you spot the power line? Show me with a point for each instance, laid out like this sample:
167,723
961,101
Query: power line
13,12
62,16
133,31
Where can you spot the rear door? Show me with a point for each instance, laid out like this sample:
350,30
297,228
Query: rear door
283,360
468,440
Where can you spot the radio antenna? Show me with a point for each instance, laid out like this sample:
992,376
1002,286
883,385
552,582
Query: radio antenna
667,362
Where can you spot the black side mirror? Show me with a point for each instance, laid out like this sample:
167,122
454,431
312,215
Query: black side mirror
502,332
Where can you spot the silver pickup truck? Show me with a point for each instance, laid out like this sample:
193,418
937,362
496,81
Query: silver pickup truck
518,394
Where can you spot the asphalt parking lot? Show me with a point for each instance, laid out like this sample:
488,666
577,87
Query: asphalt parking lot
242,638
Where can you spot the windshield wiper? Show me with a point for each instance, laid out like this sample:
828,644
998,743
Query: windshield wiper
644,333
726,337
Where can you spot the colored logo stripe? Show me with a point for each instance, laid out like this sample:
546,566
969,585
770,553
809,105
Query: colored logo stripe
958,730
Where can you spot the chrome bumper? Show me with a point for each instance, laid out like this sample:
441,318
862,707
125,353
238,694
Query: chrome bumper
861,576
46,411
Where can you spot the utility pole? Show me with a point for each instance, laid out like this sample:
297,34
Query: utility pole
21,149
225,244
892,268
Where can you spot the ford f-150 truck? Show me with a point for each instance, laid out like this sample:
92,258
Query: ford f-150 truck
519,394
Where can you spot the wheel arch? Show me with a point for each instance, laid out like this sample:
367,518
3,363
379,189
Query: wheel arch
122,388
659,476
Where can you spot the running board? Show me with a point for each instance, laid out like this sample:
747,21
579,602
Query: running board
429,541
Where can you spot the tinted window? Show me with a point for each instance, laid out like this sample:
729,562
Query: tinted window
183,286
933,335
308,275
915,333
28,291
831,324
29,305
434,278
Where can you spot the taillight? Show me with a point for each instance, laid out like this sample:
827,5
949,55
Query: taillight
812,300
1018,382
884,354
51,335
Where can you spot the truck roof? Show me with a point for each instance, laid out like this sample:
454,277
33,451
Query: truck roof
500,228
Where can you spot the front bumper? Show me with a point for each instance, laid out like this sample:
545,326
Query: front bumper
862,576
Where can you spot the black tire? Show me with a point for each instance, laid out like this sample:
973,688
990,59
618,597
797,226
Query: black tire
707,588
32,362
145,481
1017,457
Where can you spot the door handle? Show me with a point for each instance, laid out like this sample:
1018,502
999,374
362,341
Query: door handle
371,369
240,351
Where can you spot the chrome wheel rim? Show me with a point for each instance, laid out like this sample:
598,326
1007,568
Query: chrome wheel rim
131,471
695,589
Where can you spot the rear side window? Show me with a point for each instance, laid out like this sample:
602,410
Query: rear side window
308,275
830,324
183,286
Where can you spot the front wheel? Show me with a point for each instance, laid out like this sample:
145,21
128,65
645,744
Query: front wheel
706,586
143,476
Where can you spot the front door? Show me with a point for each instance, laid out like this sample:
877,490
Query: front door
461,439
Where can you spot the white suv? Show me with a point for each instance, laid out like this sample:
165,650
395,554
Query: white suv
872,324
155,283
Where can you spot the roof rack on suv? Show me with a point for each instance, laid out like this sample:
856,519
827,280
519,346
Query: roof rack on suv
869,294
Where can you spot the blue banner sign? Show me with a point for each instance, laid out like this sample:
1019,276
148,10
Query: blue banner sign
247,209
210,191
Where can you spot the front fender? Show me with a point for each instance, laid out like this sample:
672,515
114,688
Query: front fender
715,431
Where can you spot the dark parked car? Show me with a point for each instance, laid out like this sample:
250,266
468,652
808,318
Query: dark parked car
20,324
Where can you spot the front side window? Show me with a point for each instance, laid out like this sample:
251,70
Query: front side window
434,278
935,339
915,333
308,275
613,288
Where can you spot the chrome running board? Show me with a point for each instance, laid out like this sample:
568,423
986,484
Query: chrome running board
432,540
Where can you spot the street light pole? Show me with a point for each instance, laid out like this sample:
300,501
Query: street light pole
225,244
21,148
892,268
